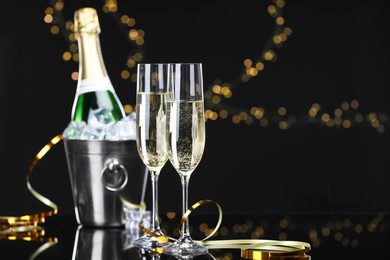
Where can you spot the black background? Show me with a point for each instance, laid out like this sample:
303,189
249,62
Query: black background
338,52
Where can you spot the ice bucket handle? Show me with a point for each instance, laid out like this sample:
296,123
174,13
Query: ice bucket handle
114,175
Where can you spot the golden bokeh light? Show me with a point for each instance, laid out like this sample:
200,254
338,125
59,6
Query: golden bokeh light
249,120
288,31
54,29
371,116
140,41
75,57
226,92
216,99
247,63
236,119
277,39
264,122
66,56
75,75
252,72
283,37
59,5
313,112
133,77
217,89
223,114
138,56
258,112
259,66
271,9
280,20
345,116
347,123
133,34
269,55
244,78
380,129
110,6
73,47
358,118
280,3
374,123
72,37
338,120
125,74
128,108
49,11
330,122
325,117
283,125
345,105
355,104
171,214
211,114
243,116
131,62
69,25
338,112
48,18
282,111
125,19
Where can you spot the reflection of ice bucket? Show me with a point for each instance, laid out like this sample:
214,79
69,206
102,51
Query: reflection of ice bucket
102,173
102,244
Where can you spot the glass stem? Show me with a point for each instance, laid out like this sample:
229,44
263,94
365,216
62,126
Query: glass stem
185,229
155,223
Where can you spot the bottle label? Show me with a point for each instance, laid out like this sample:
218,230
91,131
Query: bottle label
91,85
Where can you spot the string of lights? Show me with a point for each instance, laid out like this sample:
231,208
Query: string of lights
218,93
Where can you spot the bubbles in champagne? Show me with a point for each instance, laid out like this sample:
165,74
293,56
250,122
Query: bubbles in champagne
186,135
151,119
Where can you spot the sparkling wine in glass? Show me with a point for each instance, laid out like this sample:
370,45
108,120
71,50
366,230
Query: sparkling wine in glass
151,109
186,135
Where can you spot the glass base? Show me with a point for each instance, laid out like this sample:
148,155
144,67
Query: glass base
149,242
185,248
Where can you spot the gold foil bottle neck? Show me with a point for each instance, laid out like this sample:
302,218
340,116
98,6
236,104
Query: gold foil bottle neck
86,20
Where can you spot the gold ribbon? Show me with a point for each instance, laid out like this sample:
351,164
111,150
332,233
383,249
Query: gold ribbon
261,249
164,239
256,249
197,204
26,227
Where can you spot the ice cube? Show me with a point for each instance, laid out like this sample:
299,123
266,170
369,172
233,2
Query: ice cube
74,130
95,130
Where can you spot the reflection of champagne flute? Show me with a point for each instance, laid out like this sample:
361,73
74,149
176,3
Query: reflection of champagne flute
148,255
150,134
186,139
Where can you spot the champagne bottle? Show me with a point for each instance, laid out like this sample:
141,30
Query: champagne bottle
96,102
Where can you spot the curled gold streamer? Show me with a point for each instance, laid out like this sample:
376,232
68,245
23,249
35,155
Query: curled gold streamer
256,249
26,227
263,249
197,204
162,239
165,238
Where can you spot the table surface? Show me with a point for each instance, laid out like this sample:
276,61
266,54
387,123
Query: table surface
331,236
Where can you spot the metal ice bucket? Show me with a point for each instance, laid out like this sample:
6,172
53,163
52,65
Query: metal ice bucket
102,174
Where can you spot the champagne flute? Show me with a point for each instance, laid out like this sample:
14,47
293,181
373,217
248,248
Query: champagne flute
186,140
150,135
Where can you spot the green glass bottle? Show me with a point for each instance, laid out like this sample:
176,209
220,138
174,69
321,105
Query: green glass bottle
95,101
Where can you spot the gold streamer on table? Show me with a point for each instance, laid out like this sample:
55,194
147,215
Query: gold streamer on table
257,249
27,228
